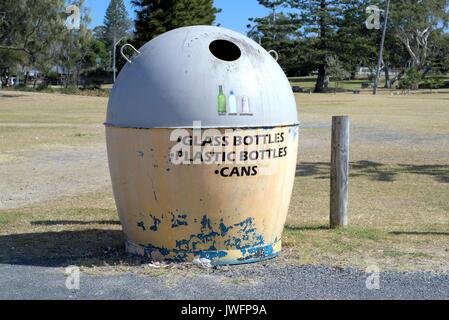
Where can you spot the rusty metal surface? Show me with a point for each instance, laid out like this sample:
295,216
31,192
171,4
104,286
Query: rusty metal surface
227,213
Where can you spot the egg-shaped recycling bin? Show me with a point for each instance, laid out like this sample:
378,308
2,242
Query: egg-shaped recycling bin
202,138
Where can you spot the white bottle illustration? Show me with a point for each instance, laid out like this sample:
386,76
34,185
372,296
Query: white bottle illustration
246,110
232,103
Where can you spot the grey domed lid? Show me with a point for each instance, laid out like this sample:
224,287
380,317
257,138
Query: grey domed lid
202,73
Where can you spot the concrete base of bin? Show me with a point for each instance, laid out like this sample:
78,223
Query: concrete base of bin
180,212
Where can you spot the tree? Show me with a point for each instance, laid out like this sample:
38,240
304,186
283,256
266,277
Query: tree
335,69
355,45
10,62
394,55
75,46
116,26
116,21
30,35
414,21
411,79
269,27
22,29
155,17
278,31
319,20
439,52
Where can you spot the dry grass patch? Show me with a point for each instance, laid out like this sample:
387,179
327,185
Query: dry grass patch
39,121
399,183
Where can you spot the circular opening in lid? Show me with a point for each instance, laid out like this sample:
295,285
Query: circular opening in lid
225,50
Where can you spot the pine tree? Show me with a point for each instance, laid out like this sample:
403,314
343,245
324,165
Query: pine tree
439,59
116,22
320,20
116,26
155,17
278,31
356,46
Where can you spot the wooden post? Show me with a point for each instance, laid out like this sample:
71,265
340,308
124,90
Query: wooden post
339,172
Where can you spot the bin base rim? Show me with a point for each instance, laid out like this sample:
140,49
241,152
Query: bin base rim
216,257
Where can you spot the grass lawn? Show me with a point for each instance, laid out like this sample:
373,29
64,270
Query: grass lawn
33,122
399,185
308,84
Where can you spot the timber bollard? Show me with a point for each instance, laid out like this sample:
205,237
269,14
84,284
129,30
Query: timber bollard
339,172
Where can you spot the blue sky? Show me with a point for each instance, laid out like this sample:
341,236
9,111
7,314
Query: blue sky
234,15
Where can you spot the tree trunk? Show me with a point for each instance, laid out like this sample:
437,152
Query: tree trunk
397,78
26,78
353,74
387,77
319,86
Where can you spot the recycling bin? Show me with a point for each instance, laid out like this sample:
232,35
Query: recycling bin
202,140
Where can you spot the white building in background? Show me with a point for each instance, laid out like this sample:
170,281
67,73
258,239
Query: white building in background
365,72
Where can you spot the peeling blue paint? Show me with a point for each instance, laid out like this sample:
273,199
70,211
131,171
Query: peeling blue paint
217,257
164,251
245,224
258,253
182,244
178,220
141,225
156,222
224,230
213,255
234,242
293,131
241,236
244,236
205,223
177,255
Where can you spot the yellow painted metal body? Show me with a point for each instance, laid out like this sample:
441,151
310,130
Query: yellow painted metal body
216,211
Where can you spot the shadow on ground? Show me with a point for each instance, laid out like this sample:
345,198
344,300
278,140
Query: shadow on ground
5,95
419,233
306,228
375,171
72,222
84,248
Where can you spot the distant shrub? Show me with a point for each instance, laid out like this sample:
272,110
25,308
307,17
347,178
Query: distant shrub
94,92
432,83
43,87
52,78
411,80
69,90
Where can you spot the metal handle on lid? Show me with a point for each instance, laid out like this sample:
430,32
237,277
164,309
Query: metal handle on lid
276,55
123,54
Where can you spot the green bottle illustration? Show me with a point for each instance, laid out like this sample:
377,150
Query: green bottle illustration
221,101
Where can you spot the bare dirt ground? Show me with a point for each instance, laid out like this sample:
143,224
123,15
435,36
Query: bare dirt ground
51,146
47,175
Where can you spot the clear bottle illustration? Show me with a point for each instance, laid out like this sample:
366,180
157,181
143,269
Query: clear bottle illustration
221,102
246,110
232,103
